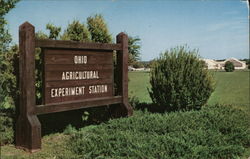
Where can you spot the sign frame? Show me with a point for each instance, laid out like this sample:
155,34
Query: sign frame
28,127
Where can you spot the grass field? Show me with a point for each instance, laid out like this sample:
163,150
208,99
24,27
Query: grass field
138,84
231,88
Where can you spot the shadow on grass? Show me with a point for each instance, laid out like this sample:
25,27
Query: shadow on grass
151,107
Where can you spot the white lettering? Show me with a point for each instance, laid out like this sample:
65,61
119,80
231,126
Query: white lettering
63,76
79,75
80,59
98,89
71,91
52,93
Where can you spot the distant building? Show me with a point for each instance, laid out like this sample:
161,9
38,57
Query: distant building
220,65
130,68
237,63
211,64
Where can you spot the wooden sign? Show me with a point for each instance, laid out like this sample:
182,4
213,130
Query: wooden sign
75,75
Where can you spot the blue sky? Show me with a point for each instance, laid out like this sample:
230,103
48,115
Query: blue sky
218,28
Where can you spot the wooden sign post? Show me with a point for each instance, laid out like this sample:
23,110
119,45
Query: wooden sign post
76,75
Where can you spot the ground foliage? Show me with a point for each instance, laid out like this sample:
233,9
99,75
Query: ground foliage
212,132
6,127
179,80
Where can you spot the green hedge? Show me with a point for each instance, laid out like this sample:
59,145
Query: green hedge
213,132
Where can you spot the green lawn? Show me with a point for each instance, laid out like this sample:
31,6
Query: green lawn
138,84
231,88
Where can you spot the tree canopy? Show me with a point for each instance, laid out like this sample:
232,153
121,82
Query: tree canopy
76,31
229,66
98,29
134,49
7,79
54,31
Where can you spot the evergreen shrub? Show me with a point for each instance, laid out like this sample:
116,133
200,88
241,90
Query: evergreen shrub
179,80
212,132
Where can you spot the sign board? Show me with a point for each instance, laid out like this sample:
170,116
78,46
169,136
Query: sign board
76,75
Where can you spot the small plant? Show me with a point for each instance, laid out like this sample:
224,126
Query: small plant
229,66
6,126
180,81
85,116
133,100
69,130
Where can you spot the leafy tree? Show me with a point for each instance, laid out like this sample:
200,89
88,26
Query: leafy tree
229,66
98,29
41,35
76,31
151,63
39,68
138,64
8,84
54,31
247,63
179,81
133,49
7,79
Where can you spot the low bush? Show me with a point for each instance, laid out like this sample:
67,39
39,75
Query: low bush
213,132
133,100
179,80
6,127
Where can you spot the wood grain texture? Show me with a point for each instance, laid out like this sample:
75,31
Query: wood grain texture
75,45
59,56
72,98
28,127
124,109
65,106
57,62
